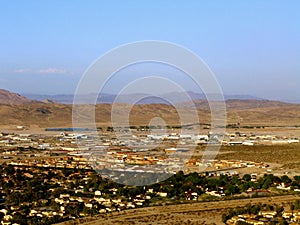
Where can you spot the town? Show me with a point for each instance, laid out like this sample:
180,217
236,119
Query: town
63,175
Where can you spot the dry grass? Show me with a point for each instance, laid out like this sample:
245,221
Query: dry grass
195,213
262,113
288,155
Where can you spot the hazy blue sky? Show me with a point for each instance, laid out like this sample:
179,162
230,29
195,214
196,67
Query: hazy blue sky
253,46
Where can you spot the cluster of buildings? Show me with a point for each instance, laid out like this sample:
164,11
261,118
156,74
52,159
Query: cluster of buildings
265,217
227,164
139,151
238,138
63,195
54,162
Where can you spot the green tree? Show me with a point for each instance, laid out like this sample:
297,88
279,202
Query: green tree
19,219
247,177
297,179
231,189
224,218
285,179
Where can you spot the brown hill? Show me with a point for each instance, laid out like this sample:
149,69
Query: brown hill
233,104
7,97
263,112
60,115
16,110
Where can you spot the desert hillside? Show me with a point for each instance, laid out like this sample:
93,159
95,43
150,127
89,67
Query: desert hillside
17,110
7,97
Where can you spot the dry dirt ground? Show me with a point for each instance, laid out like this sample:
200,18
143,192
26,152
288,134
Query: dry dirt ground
287,155
195,213
245,112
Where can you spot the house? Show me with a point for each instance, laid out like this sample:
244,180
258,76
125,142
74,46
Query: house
97,193
116,200
284,187
7,217
255,222
268,214
5,223
4,211
33,212
102,211
215,193
162,194
251,192
287,215
130,205
191,195
88,205
113,190
296,216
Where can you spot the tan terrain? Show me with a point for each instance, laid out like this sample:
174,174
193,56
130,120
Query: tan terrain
16,110
194,213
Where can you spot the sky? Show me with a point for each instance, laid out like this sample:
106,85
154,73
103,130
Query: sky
252,46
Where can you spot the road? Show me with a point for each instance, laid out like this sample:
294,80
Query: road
198,213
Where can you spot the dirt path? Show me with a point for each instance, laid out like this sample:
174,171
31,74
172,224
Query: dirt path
194,213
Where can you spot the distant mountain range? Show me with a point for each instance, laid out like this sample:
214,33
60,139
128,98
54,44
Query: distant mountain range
19,110
173,97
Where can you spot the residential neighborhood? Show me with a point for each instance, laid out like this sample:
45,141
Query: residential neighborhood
60,176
